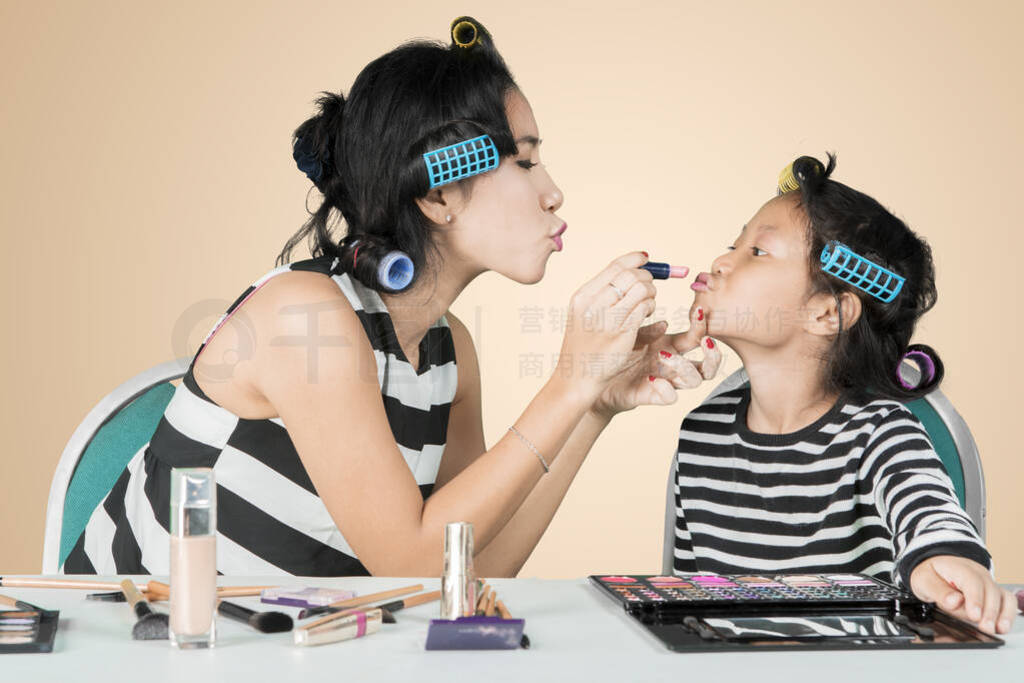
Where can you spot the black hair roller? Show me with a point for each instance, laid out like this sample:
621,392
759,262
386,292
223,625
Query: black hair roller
930,365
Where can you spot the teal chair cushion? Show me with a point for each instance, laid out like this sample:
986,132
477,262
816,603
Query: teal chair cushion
943,442
114,445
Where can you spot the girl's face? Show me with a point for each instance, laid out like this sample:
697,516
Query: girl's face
757,290
508,223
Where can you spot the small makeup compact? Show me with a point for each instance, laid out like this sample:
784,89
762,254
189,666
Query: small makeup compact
723,612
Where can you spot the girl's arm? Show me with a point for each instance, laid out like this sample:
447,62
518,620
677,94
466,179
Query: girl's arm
937,551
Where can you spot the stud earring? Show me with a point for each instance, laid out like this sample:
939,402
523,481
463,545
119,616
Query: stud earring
448,218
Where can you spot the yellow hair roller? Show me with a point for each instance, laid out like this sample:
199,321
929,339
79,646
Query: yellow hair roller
465,33
787,181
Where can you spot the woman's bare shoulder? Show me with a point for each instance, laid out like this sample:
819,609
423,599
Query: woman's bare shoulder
294,314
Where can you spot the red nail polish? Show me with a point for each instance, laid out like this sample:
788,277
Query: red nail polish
710,343
650,378
666,354
700,314
645,254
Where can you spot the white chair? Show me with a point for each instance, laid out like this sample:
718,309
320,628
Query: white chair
105,411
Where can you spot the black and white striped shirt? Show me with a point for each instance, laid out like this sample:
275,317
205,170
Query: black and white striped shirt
270,519
859,490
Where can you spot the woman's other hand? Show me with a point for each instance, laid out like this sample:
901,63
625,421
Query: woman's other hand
658,368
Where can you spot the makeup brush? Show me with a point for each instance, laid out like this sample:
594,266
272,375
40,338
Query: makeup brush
157,590
18,582
489,606
481,600
150,625
264,622
19,604
420,599
359,601
152,590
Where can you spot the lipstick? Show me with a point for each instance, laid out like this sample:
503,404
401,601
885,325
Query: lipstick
663,271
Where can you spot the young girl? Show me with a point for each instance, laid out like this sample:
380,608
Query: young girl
815,465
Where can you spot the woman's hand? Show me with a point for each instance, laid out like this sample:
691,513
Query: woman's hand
605,315
658,368
966,590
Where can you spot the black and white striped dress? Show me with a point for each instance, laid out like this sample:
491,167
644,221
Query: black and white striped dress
270,519
859,490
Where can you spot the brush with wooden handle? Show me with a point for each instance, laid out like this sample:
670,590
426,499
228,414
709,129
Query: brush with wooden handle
150,625
488,605
358,601
158,590
19,604
389,608
19,582
154,590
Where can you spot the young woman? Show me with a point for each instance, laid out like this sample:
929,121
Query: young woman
344,438
816,465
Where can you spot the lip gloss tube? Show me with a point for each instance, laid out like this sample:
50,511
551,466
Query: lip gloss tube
193,596
354,625
663,271
458,584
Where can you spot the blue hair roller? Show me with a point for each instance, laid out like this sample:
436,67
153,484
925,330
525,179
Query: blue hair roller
461,160
395,270
839,260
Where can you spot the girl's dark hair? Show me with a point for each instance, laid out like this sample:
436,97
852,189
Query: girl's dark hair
364,153
866,356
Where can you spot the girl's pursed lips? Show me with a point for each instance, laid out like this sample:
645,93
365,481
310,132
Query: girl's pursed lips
700,283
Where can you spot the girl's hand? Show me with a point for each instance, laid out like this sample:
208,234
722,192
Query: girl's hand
605,316
658,369
966,590
683,373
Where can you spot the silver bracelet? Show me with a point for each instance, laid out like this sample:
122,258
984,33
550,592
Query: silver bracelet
533,448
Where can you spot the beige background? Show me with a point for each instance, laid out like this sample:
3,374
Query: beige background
146,180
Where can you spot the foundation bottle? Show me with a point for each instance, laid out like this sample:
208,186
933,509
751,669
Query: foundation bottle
193,558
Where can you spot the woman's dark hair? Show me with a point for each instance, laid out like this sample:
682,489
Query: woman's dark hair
364,153
868,353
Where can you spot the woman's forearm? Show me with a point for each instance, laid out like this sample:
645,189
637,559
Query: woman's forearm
509,550
488,492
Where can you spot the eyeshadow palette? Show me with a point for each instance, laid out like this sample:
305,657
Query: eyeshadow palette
715,612
27,630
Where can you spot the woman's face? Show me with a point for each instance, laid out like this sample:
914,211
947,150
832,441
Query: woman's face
508,224
757,290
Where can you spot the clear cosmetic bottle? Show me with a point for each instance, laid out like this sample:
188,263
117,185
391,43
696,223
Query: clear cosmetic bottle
193,558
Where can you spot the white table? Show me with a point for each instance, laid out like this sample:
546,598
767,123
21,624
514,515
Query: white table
577,635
